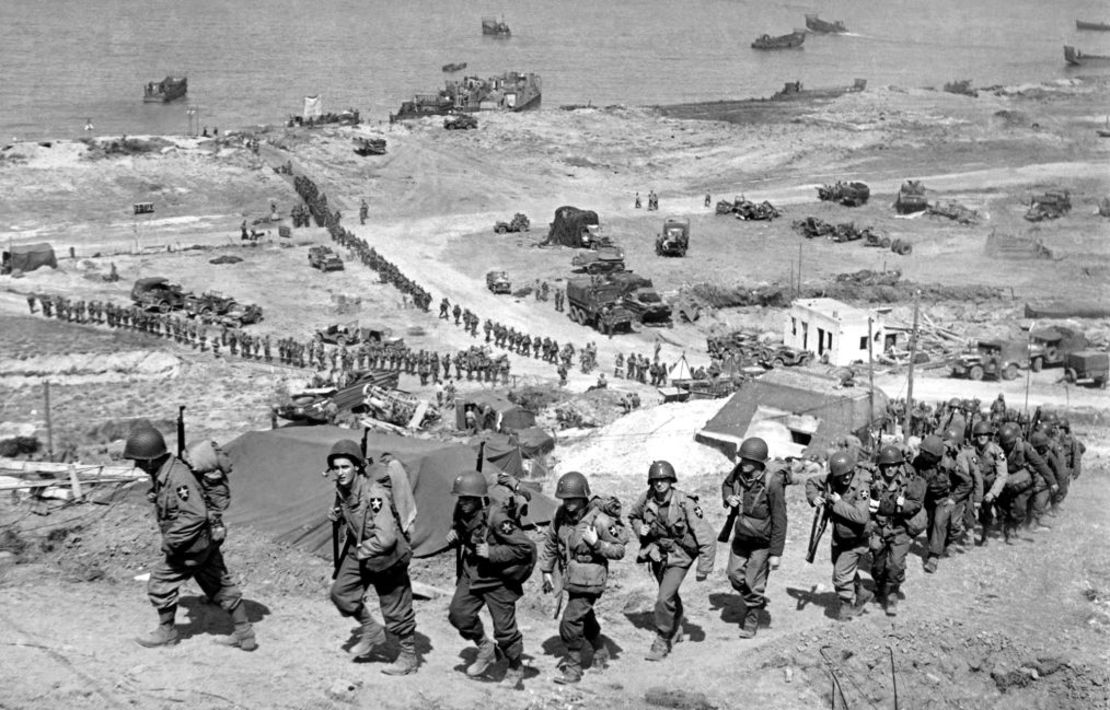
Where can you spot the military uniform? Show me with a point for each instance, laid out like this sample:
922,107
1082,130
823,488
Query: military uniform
677,536
991,463
946,483
759,532
849,517
1025,469
898,516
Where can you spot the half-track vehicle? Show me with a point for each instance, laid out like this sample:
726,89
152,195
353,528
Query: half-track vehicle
598,303
674,240
324,259
498,282
157,293
519,223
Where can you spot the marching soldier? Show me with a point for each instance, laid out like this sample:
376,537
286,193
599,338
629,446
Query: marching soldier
991,462
1026,471
846,491
755,493
585,534
673,535
376,554
495,559
187,541
897,510
945,484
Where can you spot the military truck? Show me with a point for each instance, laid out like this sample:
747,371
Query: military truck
353,334
157,293
1087,366
991,358
911,198
1050,346
519,223
324,259
209,303
603,260
498,282
597,302
675,237
639,296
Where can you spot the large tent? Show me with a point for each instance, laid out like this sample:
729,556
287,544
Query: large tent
795,412
278,487
521,453
28,258
508,416
569,226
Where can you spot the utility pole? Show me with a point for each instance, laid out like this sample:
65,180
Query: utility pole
49,426
1029,360
909,379
798,293
870,385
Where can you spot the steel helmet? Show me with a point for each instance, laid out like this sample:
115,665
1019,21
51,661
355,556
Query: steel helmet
345,448
841,463
572,485
890,455
144,443
1049,418
954,436
470,483
754,449
954,402
1009,434
932,444
1038,439
661,471
1065,424
982,427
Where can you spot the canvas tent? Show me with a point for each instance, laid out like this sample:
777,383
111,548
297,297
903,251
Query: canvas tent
507,416
278,488
521,453
569,225
796,412
29,257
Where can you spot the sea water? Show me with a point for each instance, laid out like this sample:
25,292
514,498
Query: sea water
64,63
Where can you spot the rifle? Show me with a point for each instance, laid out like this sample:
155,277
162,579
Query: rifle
180,430
459,548
820,522
730,521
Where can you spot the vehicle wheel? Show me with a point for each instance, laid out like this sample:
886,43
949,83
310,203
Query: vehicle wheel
884,242
205,312
341,340
164,307
1037,365
1010,372
975,373
501,229
1101,384
778,362
1070,376
573,314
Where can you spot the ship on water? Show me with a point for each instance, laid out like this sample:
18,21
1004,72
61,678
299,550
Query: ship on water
170,88
511,91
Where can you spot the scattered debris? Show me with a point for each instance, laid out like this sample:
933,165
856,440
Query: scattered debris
954,211
849,194
962,86
1051,205
747,210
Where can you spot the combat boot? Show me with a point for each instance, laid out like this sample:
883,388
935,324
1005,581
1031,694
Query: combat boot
601,653
514,676
406,661
931,565
165,634
847,611
659,649
750,624
570,669
243,635
862,597
371,636
487,654
890,604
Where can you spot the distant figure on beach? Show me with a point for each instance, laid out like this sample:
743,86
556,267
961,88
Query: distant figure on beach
638,203
88,125
708,201
204,133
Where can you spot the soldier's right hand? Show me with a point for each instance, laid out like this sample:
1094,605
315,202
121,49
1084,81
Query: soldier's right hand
818,501
733,501
548,583
451,537
644,529
333,515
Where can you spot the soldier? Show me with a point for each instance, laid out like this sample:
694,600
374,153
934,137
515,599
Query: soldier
708,201
31,303
673,534
545,290
560,296
846,491
187,541
755,493
945,485
444,307
998,409
967,465
618,366
584,535
266,348
1027,474
898,515
991,462
495,559
376,553
457,312
562,370
363,211
1043,496
1072,449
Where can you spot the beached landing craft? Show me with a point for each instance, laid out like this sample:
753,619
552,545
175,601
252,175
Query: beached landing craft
1099,26
819,26
454,67
793,40
511,91
1076,58
170,88
495,27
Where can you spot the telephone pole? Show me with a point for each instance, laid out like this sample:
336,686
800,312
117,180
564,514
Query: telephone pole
909,379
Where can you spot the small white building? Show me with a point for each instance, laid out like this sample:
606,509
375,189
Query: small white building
827,327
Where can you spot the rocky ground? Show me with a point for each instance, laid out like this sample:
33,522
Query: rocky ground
1021,626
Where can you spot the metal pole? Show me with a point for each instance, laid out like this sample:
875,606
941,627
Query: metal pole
1029,361
798,293
870,385
909,378
49,425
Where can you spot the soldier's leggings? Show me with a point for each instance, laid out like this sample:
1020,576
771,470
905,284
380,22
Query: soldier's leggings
845,559
501,602
888,560
1038,505
940,515
209,571
392,586
748,569
1015,505
668,605
579,622
1059,496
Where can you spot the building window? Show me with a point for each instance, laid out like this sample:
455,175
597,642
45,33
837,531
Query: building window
793,325
863,343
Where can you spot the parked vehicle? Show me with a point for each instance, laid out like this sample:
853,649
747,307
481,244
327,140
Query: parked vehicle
324,259
209,303
597,302
991,358
459,122
603,260
1050,346
674,240
498,282
352,334
157,293
1087,366
519,223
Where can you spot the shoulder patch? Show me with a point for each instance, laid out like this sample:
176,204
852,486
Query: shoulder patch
697,510
506,527
182,492
613,530
376,504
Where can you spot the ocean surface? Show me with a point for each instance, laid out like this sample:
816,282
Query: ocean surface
63,62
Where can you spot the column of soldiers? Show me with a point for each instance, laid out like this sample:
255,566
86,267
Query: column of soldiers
876,509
